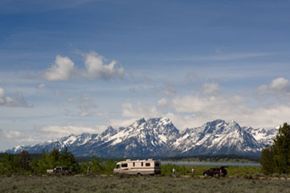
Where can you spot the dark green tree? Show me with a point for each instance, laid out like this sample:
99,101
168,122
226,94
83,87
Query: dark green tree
54,157
267,161
278,155
24,160
67,159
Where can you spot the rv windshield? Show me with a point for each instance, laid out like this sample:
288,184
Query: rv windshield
117,166
124,165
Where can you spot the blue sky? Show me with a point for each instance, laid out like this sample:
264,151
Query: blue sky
72,66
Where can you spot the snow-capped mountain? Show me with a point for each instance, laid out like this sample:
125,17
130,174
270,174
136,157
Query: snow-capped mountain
158,137
263,136
218,137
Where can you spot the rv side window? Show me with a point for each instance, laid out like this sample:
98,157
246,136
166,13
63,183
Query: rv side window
125,165
141,163
157,164
147,164
117,166
133,164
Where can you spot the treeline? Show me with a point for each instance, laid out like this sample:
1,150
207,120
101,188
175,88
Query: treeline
26,164
276,158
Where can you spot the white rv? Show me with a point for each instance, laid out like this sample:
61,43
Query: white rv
138,167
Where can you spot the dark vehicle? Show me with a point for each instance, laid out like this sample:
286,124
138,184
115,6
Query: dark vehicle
60,171
216,172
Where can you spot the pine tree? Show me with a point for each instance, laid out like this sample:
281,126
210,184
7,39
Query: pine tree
277,157
24,160
267,160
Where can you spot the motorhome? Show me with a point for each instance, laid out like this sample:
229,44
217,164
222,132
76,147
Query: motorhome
138,167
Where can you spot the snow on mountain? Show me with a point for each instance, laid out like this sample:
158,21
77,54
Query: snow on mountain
218,137
158,137
153,132
144,137
263,136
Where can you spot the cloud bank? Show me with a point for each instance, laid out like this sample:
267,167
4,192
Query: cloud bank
193,110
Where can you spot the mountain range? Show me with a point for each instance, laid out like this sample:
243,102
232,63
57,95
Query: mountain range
158,137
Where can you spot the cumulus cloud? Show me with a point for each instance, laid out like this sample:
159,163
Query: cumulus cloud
279,84
12,101
62,69
97,68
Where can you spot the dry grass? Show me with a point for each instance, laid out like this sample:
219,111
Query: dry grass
148,184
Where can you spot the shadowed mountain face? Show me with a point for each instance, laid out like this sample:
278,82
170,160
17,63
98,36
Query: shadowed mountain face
158,137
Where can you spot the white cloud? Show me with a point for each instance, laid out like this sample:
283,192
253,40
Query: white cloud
280,85
241,109
193,110
62,69
9,134
11,138
190,104
83,106
60,131
210,88
270,116
138,110
122,122
12,101
96,67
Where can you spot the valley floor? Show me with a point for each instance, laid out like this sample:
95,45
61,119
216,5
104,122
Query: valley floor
148,184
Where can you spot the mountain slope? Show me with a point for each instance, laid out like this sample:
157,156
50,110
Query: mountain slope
158,137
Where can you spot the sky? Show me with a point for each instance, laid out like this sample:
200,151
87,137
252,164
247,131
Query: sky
74,66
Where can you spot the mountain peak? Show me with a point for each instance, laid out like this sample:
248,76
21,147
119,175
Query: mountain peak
234,123
109,131
139,122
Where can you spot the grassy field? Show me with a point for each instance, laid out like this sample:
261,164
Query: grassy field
148,184
235,171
